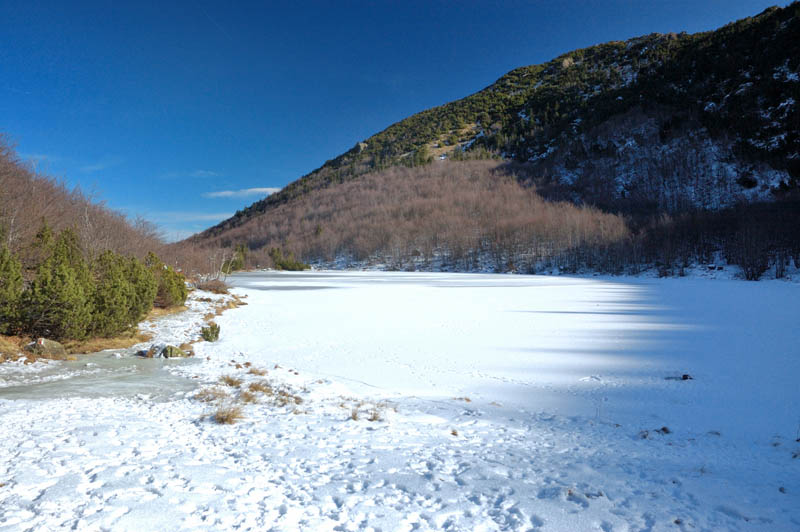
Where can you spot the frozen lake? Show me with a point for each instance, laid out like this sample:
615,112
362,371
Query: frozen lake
573,346
427,402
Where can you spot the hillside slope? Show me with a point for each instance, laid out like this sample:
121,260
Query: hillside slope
671,122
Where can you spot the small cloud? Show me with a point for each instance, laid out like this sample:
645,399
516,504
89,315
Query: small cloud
38,157
102,164
242,193
203,173
197,174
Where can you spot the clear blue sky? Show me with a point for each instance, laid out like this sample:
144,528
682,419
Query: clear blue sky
176,111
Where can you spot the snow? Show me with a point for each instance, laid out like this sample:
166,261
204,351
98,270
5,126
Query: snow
499,402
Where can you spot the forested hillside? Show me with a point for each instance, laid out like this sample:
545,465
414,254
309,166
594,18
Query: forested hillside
660,127
71,268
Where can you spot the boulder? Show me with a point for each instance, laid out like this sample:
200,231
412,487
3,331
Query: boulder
47,348
163,351
171,351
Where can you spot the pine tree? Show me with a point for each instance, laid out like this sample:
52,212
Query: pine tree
58,304
114,295
145,288
172,289
10,290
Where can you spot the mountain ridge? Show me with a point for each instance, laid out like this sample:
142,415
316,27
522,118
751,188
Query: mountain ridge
624,125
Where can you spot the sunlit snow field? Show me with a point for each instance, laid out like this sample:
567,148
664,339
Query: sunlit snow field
502,403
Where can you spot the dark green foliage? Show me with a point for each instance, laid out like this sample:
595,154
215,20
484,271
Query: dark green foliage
145,288
69,299
58,303
171,289
288,262
10,290
210,333
124,292
237,262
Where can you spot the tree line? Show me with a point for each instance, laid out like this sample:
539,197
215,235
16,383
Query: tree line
65,296
474,215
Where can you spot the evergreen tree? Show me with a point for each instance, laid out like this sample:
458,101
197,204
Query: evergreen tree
10,290
59,302
172,289
114,295
145,289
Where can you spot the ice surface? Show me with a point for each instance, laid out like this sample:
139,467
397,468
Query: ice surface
498,402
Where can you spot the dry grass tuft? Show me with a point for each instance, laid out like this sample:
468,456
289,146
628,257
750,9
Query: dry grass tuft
262,386
230,380
354,414
465,399
257,371
248,397
454,432
211,395
228,414
374,415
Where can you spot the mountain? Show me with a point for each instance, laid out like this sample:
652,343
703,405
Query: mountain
666,123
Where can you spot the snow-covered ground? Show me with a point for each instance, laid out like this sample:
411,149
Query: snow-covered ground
431,402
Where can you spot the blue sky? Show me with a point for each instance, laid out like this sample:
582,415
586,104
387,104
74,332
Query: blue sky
185,112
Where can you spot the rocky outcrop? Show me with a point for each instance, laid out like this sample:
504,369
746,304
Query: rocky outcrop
46,348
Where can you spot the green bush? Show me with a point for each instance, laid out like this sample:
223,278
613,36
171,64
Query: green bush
124,292
238,260
58,303
281,262
172,289
210,333
145,288
10,290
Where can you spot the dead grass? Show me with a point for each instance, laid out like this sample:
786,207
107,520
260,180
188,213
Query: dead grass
188,348
215,286
93,345
228,414
257,371
211,395
158,312
261,386
465,399
354,414
374,415
230,380
248,397
10,345
454,432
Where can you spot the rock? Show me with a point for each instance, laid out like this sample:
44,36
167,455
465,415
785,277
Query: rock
163,351
45,347
171,351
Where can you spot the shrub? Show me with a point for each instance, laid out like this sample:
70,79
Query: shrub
114,295
229,380
172,289
210,333
281,262
58,303
10,290
215,286
228,414
145,288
